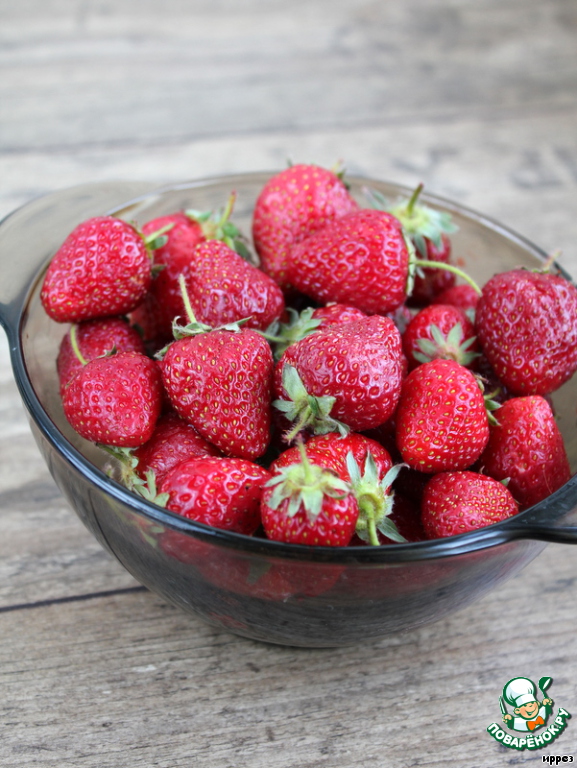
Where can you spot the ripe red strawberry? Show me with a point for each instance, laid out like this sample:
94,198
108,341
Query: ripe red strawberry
175,257
291,205
218,491
305,503
220,382
224,288
265,580
441,419
431,281
463,296
115,400
94,338
103,268
429,231
363,463
406,517
527,326
163,302
354,370
360,259
527,447
331,451
309,320
337,314
440,331
459,502
173,441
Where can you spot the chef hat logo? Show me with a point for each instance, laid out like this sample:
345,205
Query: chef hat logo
519,691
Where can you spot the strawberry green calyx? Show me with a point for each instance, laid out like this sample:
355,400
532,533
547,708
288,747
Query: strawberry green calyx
156,239
127,463
491,404
305,484
147,489
216,225
306,411
299,325
374,499
419,221
448,346
144,487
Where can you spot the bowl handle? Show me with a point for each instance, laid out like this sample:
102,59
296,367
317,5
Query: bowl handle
37,229
558,510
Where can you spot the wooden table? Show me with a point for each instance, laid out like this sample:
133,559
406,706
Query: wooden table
478,101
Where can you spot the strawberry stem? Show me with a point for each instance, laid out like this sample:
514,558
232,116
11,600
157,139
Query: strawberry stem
413,199
370,507
186,299
74,344
227,211
157,239
308,473
448,268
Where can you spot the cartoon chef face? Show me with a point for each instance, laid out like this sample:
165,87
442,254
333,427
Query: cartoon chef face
527,711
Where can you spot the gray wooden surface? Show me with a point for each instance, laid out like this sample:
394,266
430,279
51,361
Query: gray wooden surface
476,99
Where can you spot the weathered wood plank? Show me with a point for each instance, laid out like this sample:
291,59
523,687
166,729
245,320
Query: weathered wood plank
127,680
137,72
516,170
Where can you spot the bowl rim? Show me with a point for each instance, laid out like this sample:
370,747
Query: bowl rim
525,525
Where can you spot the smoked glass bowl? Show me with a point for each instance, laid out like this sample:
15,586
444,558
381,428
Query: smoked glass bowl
274,592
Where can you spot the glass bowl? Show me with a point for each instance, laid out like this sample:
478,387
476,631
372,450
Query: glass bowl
274,592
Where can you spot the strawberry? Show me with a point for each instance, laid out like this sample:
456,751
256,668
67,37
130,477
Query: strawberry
220,381
331,451
431,281
94,338
527,447
309,320
442,422
265,580
353,372
402,316
527,326
361,259
336,314
440,331
305,503
429,231
186,230
173,441
218,491
405,515
115,400
462,296
224,288
293,204
458,502
346,456
103,268
163,302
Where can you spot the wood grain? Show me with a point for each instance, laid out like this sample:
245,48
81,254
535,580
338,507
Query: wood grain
478,101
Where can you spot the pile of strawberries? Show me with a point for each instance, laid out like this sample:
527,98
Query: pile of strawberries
347,391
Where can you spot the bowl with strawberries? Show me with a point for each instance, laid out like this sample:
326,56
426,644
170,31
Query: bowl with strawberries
313,410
